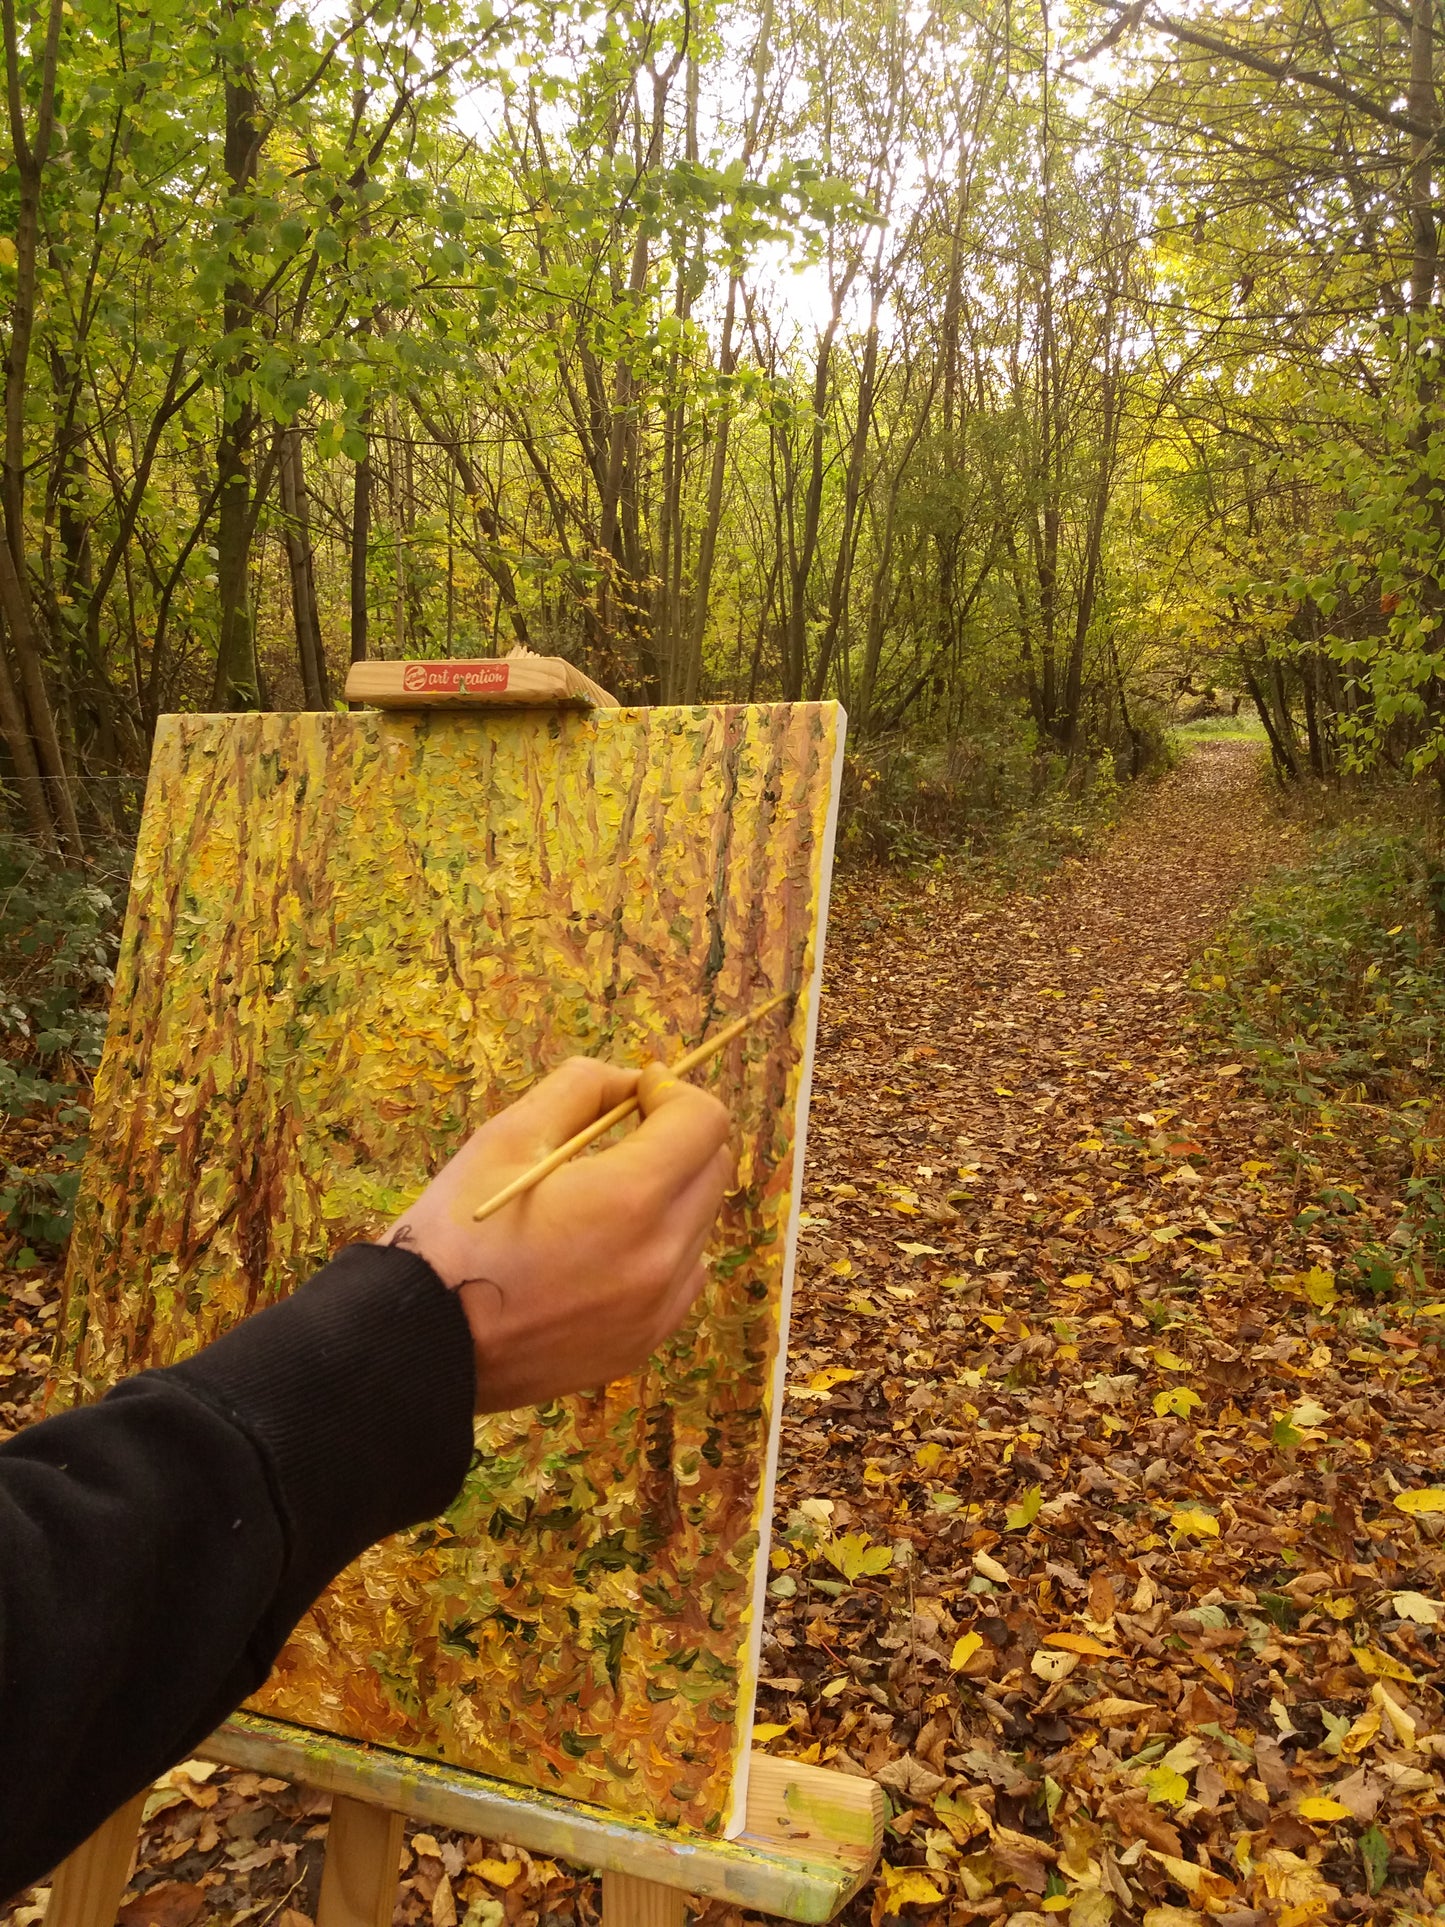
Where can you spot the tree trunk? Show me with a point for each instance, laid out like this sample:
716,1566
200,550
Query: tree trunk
360,545
22,754
236,683
295,507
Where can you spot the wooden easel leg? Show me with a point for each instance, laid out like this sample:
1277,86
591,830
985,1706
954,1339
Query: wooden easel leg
628,1902
88,1884
363,1864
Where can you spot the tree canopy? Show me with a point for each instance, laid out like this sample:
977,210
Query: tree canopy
1008,377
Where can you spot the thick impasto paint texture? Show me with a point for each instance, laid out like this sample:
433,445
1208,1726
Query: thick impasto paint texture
353,938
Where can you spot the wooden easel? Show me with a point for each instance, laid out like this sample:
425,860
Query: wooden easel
812,1836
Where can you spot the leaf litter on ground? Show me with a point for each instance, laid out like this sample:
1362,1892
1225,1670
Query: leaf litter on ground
1113,1653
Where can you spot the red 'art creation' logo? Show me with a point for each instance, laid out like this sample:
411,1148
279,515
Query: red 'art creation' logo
453,678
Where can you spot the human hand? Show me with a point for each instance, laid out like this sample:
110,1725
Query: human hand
580,1279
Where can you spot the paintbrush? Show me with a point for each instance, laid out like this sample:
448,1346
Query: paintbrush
602,1125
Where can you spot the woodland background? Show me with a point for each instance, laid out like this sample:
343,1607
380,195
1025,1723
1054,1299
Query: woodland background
1009,375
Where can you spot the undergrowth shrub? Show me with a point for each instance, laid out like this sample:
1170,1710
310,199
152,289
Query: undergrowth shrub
905,802
59,930
1330,982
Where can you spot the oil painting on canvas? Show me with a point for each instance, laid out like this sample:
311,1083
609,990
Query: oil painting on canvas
352,938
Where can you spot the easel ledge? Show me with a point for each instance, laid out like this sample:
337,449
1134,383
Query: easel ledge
812,1837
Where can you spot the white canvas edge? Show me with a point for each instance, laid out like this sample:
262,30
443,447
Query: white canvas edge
736,1818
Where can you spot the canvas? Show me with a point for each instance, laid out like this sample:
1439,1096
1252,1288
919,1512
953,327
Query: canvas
350,940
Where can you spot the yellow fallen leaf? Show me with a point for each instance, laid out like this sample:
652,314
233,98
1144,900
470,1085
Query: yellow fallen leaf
1363,1733
964,1650
1180,1400
1080,1643
907,1887
835,1686
1220,1674
1402,1722
1077,1280
1194,1521
1165,1787
1341,1607
1377,1665
1184,1872
1170,1361
873,1473
503,1873
821,1383
929,1457
1425,1498
1318,1807
991,1569
993,1319
1111,1711
1319,1287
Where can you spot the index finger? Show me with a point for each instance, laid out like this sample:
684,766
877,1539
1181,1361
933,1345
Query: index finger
563,1103
682,1128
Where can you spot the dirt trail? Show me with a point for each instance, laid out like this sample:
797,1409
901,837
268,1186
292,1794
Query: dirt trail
1050,1321
1062,1006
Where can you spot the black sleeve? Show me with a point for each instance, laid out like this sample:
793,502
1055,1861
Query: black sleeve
157,1548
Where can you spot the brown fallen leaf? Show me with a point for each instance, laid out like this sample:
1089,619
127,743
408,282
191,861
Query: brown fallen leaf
170,1903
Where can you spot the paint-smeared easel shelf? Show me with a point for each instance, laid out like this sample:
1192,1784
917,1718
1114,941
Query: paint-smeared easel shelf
811,1839
521,681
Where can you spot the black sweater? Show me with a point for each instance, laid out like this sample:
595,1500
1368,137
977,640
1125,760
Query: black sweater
157,1548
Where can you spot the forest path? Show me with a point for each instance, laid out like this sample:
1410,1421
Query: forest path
1048,1314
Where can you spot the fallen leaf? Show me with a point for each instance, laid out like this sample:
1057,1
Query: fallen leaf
1424,1498
1110,1711
910,1777
1193,1522
170,1903
1082,1643
1019,1516
1375,1857
1377,1665
1165,1787
1052,1666
1319,1807
1417,1607
503,1873
964,1649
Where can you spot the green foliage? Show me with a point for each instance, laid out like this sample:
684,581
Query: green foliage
993,794
1330,983
1333,979
58,935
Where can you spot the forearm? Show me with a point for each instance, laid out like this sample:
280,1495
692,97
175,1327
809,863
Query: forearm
157,1548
